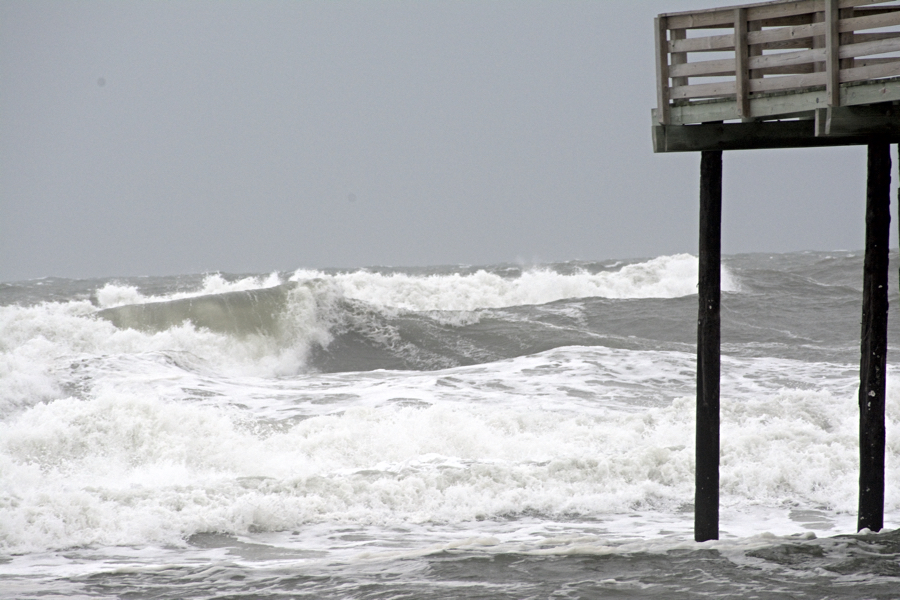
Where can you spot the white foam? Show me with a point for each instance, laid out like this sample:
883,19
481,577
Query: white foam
116,294
134,463
662,277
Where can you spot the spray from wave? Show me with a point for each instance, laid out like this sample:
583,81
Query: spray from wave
662,277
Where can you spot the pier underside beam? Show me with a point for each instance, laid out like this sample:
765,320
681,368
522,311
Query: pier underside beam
873,339
842,126
706,497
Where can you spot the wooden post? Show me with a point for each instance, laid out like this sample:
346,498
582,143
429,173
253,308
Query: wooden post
832,51
706,497
741,58
873,339
662,70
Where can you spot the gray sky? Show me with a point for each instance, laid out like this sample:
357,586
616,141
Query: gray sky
150,138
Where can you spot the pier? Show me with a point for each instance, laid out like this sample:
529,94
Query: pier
784,74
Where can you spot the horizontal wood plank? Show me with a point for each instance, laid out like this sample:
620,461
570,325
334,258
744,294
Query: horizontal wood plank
705,68
868,48
710,43
867,62
871,37
873,71
886,19
703,90
765,11
785,59
789,82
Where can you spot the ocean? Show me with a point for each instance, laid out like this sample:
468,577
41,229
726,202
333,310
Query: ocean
496,431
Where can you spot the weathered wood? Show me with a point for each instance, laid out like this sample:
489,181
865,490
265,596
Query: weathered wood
795,33
702,90
824,50
872,47
757,50
873,346
772,62
871,37
785,105
703,44
790,82
771,13
750,136
866,62
873,71
703,68
789,70
662,71
788,58
784,34
706,497
832,47
871,21
741,63
712,17
847,38
678,58
877,120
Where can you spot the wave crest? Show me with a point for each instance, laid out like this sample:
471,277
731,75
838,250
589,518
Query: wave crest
662,277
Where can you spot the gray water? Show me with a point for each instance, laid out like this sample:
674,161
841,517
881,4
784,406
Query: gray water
449,432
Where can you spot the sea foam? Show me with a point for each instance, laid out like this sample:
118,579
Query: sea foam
662,277
128,465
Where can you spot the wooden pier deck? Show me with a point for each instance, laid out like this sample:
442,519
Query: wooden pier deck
828,71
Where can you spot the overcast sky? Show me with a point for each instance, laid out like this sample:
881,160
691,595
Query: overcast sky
152,138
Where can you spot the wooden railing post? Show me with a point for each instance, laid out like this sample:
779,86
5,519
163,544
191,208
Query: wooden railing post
662,70
873,342
741,67
832,58
706,497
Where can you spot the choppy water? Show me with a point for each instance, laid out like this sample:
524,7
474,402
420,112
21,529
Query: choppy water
455,432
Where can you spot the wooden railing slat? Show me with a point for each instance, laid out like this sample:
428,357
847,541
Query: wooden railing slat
868,48
774,84
864,62
706,68
703,44
886,19
789,70
704,90
874,71
872,37
784,34
787,58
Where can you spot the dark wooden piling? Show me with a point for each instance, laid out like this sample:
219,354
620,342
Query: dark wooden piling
706,497
873,339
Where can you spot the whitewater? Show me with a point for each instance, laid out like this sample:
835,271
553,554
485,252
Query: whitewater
493,431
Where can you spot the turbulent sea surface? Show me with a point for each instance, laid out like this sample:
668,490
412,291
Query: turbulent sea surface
454,432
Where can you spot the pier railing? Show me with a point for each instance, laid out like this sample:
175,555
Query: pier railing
776,59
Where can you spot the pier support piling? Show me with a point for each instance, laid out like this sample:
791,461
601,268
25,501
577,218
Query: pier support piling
873,339
706,497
